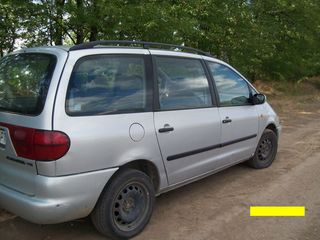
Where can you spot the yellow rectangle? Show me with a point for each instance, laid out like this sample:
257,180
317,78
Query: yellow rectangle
277,211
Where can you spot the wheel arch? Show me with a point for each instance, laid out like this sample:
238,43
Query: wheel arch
272,127
146,166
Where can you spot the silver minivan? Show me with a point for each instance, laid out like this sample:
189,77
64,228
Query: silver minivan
103,127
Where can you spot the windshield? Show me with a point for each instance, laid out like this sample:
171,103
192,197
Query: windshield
24,82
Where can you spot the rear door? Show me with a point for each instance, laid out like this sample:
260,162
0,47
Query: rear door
187,122
239,117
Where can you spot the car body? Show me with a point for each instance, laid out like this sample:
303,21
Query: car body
175,116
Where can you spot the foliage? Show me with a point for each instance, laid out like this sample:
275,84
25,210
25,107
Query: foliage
264,39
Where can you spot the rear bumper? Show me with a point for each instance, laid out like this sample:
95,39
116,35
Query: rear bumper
57,199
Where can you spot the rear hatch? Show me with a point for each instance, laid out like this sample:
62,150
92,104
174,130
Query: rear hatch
28,82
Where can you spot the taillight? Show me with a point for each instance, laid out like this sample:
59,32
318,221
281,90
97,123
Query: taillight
35,144
50,145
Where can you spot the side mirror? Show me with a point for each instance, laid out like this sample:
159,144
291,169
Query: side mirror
258,99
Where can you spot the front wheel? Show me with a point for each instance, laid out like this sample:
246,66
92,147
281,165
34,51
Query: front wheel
266,150
125,206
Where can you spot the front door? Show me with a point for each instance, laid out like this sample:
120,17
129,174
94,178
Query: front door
239,117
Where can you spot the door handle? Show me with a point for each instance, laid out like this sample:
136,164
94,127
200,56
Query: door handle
227,120
166,128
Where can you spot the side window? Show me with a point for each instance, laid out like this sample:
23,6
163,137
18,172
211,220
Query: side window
182,83
232,89
103,84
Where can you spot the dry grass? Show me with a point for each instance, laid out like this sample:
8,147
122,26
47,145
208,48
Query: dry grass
302,97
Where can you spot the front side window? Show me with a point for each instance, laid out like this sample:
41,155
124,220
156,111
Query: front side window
232,89
105,84
182,84
24,82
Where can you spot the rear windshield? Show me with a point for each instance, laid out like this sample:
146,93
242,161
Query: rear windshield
24,82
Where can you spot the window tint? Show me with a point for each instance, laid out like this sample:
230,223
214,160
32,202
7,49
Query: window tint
107,84
182,84
232,89
24,82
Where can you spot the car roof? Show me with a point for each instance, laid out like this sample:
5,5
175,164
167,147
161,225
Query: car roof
154,47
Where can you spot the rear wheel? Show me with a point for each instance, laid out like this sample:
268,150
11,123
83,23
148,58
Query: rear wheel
125,207
266,150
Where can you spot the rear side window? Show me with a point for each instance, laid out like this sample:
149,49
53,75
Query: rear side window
232,89
24,82
182,84
104,84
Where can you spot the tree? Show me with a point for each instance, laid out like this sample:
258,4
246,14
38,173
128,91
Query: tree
263,39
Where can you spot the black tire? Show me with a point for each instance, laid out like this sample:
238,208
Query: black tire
266,150
125,206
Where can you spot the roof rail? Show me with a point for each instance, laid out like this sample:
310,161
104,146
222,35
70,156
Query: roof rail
145,45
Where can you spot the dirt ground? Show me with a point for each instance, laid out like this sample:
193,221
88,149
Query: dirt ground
217,207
